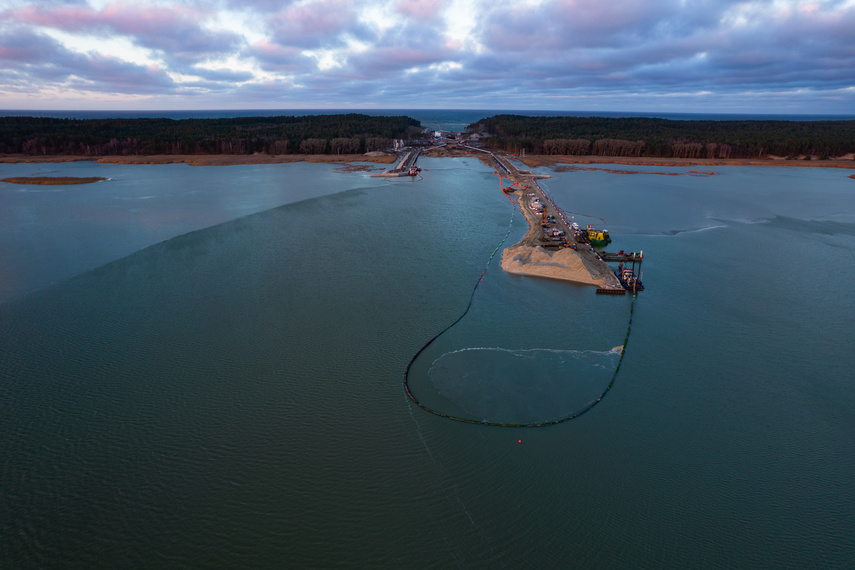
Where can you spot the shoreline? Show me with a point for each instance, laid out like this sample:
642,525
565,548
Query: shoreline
205,159
532,161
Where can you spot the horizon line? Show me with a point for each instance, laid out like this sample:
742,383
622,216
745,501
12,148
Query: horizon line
444,109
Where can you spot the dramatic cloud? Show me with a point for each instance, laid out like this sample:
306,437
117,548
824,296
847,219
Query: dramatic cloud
657,55
175,33
30,57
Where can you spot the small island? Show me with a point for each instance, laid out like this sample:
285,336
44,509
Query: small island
52,180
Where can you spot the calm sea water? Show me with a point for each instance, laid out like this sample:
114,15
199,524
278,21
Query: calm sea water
202,367
50,233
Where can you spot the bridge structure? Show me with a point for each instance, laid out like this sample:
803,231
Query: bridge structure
405,167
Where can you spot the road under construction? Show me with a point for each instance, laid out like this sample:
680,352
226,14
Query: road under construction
554,246
551,227
523,188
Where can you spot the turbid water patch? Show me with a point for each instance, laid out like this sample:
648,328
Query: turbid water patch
509,386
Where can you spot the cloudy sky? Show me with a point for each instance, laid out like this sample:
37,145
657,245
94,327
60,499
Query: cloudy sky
613,55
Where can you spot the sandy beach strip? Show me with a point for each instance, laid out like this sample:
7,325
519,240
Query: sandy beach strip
209,159
533,161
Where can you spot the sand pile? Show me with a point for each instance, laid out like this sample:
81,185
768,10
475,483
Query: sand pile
563,264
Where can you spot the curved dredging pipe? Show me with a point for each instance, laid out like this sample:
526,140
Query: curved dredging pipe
485,422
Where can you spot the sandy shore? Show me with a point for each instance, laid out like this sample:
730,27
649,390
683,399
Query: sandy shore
209,159
534,161
531,161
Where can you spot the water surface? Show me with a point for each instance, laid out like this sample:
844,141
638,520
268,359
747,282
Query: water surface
229,394
49,233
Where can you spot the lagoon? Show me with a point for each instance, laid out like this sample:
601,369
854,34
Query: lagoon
202,367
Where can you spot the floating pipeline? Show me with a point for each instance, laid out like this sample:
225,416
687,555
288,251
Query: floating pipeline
485,422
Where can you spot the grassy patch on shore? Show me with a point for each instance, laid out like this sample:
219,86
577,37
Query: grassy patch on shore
52,180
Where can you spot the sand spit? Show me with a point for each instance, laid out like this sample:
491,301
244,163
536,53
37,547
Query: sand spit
53,180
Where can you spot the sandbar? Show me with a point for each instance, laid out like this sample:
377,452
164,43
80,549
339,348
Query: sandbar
52,180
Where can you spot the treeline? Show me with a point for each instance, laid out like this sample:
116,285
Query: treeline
315,134
641,136
604,147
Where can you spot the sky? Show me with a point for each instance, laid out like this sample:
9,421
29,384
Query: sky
764,56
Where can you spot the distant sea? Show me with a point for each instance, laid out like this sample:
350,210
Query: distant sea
446,119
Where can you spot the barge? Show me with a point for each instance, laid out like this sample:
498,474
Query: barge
628,278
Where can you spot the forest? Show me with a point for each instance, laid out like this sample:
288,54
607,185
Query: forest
643,136
315,134
357,133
